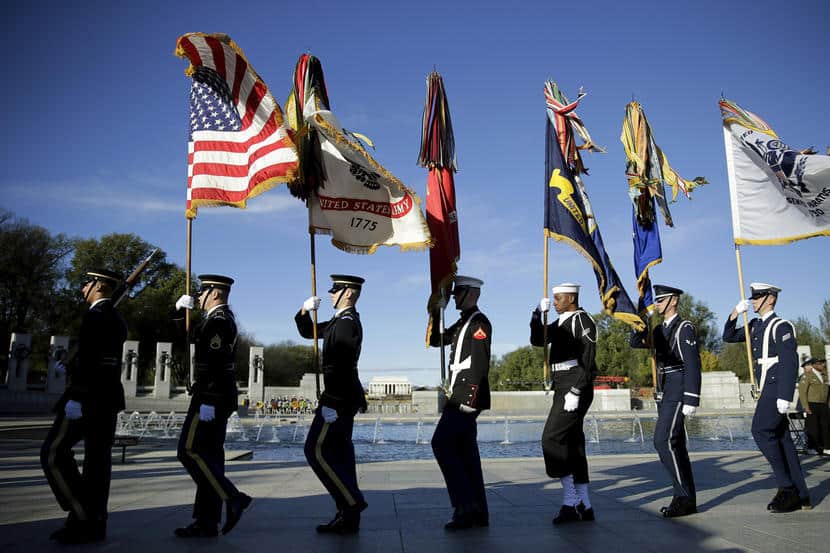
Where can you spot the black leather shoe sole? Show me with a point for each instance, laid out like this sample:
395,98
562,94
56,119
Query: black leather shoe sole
236,506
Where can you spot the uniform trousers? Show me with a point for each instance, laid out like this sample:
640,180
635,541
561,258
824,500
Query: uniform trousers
817,426
563,440
202,452
84,495
771,432
455,446
670,443
330,453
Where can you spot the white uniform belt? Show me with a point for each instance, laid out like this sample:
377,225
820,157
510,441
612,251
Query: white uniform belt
455,367
565,365
672,369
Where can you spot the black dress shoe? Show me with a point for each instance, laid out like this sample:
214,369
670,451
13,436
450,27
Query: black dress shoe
776,499
234,508
197,530
86,532
585,515
680,507
481,519
341,524
788,502
806,505
461,520
565,515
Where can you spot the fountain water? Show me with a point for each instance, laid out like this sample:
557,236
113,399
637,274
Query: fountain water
593,429
635,426
377,438
418,439
506,440
235,430
720,424
299,428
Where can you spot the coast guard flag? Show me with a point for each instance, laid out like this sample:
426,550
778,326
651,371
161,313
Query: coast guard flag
238,146
352,197
778,194
569,218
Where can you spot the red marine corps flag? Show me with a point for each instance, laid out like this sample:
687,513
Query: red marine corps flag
238,146
438,155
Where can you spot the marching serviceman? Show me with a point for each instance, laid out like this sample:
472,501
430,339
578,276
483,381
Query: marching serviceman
775,362
454,441
87,411
678,395
328,447
812,391
573,338
201,444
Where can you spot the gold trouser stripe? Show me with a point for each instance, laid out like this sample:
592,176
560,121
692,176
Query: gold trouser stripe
191,433
56,473
318,454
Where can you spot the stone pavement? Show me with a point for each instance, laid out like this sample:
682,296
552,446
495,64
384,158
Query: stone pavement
408,505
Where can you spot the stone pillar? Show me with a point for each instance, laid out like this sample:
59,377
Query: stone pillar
129,368
20,346
58,351
827,355
164,356
256,374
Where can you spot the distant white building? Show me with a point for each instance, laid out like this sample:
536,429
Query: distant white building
383,386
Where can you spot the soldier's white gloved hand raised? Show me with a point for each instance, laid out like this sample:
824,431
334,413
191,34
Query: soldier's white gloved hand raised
742,307
329,414
689,410
185,302
311,304
571,402
466,409
207,413
783,406
544,305
60,368
72,410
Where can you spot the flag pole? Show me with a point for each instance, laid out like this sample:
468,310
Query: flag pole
754,391
441,343
652,354
316,360
545,360
187,279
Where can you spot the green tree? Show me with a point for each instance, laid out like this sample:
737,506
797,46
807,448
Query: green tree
286,363
808,335
615,356
824,321
521,369
732,357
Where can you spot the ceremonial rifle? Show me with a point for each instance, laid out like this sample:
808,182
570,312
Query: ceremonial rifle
125,287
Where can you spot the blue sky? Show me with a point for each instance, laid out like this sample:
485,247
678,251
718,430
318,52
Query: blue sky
96,124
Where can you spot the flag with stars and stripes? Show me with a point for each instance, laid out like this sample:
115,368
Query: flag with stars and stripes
238,146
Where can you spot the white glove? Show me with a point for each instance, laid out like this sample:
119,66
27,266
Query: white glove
207,413
466,409
60,368
311,304
329,414
72,410
689,410
742,307
544,305
783,406
185,302
571,402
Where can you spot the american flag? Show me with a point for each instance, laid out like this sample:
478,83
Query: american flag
238,145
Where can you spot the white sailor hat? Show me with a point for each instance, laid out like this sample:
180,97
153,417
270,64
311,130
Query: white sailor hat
466,282
761,289
566,288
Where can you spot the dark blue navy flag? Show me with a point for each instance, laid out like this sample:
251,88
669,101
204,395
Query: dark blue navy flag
569,218
647,253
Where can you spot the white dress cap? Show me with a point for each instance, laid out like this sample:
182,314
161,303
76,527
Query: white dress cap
468,281
760,288
566,288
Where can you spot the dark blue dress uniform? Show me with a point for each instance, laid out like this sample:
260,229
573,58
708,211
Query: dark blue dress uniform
454,441
94,381
573,340
775,362
678,373
328,447
201,444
